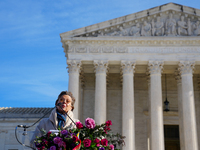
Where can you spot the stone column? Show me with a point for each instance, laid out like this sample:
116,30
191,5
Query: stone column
156,114
74,70
101,68
128,119
180,108
149,109
189,117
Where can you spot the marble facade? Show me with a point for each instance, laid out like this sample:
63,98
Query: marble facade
121,74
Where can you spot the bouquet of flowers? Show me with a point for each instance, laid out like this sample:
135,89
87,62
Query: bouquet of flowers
88,137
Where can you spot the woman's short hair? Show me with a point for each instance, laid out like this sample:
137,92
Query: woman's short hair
66,93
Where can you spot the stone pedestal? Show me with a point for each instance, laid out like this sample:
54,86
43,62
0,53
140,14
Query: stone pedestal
101,68
74,70
156,114
128,119
189,117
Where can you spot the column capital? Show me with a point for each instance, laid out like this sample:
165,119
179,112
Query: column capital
177,75
74,66
127,67
186,67
155,67
101,66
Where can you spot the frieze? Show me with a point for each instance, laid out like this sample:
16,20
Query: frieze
164,50
132,49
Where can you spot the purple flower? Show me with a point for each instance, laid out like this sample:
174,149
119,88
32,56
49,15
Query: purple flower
89,123
101,148
62,144
52,148
64,132
57,140
38,145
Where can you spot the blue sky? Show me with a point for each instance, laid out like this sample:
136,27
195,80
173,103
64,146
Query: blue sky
32,61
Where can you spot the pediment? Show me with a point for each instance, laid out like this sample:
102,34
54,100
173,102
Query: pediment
166,20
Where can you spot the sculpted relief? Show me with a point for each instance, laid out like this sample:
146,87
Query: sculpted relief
163,25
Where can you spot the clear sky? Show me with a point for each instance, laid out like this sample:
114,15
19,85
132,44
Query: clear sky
32,62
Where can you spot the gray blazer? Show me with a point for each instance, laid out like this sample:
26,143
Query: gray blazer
51,123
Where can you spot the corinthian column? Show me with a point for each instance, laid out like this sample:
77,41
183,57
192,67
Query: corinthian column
156,114
101,68
149,108
128,119
189,117
180,108
74,70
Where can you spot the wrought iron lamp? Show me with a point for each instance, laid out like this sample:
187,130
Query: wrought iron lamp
166,102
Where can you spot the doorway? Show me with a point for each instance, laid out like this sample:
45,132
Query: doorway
172,140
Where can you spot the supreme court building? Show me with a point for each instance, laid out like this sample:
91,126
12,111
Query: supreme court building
124,69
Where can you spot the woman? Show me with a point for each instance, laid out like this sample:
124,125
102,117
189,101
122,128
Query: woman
58,119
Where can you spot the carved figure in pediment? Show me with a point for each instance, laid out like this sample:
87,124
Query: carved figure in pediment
101,33
158,27
135,30
196,28
115,33
182,27
146,29
123,32
170,25
189,27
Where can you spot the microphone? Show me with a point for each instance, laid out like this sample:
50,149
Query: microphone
22,126
25,132
59,104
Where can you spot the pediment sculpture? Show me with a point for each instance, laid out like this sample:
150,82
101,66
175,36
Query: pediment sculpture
167,24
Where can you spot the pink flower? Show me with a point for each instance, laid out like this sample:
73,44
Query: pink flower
108,123
104,142
49,133
45,141
79,125
75,139
43,147
89,123
111,147
87,142
62,144
97,141
52,148
57,140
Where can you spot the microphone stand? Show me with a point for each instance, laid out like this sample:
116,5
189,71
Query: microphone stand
25,127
